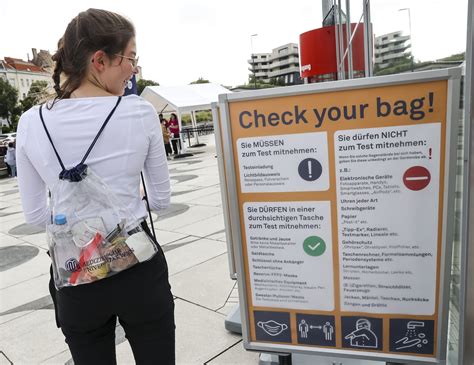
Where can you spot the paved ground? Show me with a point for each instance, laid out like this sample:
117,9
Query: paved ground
192,234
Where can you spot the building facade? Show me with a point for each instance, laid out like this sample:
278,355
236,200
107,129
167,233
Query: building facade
21,74
281,66
391,47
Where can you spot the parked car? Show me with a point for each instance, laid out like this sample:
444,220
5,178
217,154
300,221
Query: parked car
9,137
3,167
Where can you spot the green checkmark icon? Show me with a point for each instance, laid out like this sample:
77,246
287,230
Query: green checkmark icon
314,246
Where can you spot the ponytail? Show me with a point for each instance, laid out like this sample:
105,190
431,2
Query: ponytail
58,69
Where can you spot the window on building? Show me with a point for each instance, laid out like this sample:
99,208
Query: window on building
22,83
283,50
24,95
12,81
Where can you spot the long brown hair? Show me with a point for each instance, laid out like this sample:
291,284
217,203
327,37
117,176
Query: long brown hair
88,32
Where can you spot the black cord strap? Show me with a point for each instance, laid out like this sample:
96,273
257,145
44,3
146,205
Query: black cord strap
93,142
148,207
76,173
101,129
49,137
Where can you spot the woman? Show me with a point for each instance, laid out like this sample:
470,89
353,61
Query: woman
166,136
10,159
173,126
97,55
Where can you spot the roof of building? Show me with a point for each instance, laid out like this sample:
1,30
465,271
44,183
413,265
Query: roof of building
20,65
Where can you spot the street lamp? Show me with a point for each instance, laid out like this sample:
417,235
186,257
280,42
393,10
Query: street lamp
253,61
411,39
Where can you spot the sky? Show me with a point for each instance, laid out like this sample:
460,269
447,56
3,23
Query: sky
179,41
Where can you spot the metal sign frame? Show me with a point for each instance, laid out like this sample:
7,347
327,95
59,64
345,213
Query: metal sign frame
224,190
466,308
452,76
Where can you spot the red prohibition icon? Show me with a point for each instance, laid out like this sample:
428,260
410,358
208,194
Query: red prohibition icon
416,178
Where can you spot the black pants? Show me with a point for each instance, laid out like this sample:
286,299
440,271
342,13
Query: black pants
141,299
168,149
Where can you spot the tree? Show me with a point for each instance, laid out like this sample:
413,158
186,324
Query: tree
142,84
37,94
455,57
8,101
277,81
200,81
400,64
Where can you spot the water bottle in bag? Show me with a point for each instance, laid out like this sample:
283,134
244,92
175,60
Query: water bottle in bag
65,252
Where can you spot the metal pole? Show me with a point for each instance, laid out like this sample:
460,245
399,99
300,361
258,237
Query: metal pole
350,68
341,38
336,34
466,305
180,123
368,45
353,34
253,61
193,117
326,6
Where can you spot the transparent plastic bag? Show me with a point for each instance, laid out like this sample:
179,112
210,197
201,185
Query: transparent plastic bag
92,235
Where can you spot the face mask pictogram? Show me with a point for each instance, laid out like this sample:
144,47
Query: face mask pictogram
272,328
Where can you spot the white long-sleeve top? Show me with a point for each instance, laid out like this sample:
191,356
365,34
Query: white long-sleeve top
131,142
10,157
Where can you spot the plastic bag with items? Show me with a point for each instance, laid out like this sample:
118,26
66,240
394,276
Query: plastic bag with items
92,235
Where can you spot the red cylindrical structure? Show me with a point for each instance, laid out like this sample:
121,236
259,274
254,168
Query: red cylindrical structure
318,51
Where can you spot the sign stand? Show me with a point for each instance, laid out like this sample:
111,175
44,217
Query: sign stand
338,197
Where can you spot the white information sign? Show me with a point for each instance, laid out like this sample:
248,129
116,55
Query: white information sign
292,162
290,254
385,249
343,198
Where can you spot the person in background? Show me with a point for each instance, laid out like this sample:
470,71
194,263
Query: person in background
173,126
4,154
166,135
10,158
97,55
163,120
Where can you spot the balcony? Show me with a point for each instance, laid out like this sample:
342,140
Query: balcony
391,57
285,71
290,61
379,43
393,48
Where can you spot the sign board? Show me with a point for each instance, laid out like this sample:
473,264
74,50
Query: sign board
339,199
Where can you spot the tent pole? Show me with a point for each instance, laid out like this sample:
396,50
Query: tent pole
193,118
163,108
181,141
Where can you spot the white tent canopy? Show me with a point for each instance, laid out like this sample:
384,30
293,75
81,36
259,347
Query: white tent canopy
183,99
